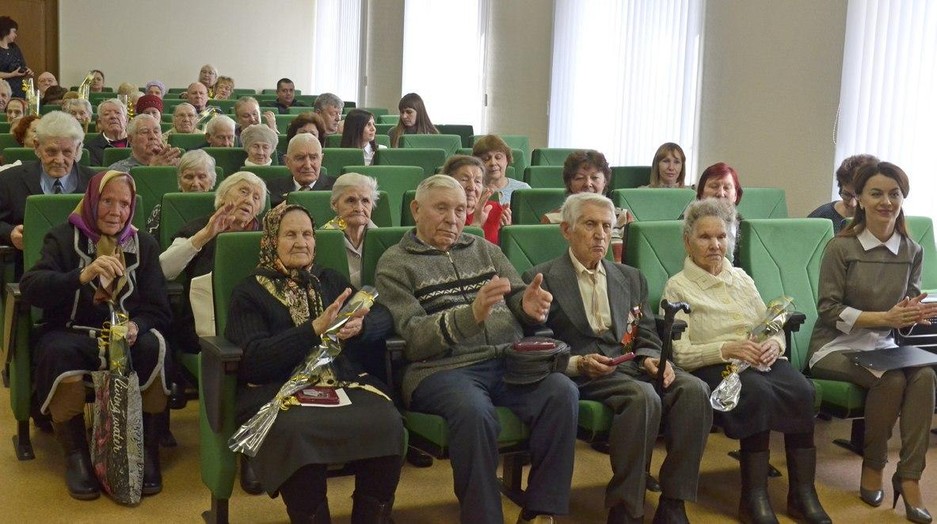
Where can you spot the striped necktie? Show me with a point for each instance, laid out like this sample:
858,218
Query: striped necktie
57,187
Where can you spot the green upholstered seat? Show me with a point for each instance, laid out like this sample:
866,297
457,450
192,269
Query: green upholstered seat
430,159
529,205
336,158
283,122
268,173
317,203
525,246
406,216
387,119
229,159
544,176
448,143
152,183
763,202
395,180
656,249
115,154
550,156
625,177
465,132
384,129
921,230
653,203
187,141
7,140
26,154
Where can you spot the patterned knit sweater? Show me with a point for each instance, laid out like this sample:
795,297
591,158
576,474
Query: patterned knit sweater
430,293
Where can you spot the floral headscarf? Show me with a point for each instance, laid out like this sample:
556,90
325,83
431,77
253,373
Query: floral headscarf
297,289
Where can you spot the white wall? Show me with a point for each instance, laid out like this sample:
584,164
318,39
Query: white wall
170,40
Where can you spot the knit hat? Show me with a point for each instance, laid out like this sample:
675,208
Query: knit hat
148,101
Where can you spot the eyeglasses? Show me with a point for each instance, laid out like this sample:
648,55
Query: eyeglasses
846,195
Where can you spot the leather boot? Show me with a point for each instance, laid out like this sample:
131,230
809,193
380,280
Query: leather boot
249,482
320,516
369,510
670,511
79,477
618,514
152,474
803,504
755,506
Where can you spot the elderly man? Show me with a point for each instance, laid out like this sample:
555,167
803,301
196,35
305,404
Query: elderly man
58,148
80,109
460,304
304,159
219,132
286,96
600,309
6,92
184,118
148,148
112,124
329,107
247,113
45,81
197,95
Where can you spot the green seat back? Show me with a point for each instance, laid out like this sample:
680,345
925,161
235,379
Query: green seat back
268,173
317,203
465,132
550,156
378,240
236,256
525,246
229,159
448,143
7,140
178,209
656,249
763,202
388,119
4,129
647,203
544,176
406,217
384,129
429,159
783,258
187,141
333,141
116,154
921,230
283,122
152,183
395,180
624,177
529,205
335,158
27,154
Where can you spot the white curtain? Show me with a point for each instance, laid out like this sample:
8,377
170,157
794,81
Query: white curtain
888,105
336,66
626,76
444,58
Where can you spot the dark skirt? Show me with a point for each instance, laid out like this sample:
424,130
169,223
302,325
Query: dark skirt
370,427
779,400
59,354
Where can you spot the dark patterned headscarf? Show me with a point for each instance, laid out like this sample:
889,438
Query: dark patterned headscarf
297,289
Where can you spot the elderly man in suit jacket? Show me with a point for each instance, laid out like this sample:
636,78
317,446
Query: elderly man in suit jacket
59,137
600,309
304,159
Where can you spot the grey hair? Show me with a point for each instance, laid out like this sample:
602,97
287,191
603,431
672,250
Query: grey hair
572,206
241,102
132,128
213,69
182,106
712,207
219,121
5,87
258,133
67,105
116,102
436,182
197,158
300,139
328,100
350,181
231,180
58,124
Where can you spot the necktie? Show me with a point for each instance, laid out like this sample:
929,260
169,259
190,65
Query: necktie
305,188
57,187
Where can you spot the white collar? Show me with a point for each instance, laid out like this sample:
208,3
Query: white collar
580,268
869,242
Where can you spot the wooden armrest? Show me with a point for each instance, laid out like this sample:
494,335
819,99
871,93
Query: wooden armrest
220,358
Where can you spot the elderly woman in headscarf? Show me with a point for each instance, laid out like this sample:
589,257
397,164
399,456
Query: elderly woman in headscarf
278,315
95,262
260,143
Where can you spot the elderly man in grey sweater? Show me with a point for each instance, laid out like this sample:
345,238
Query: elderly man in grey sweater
459,304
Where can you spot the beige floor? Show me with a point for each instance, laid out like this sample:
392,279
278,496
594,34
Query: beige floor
34,491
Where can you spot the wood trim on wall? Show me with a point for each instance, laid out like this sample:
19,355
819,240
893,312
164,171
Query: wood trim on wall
38,33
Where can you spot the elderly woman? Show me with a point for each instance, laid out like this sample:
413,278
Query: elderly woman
359,132
224,88
93,263
260,142
278,315
80,109
155,88
587,171
208,75
497,155
870,284
669,167
720,180
184,118
775,396
840,211
196,174
353,198
413,119
24,130
308,122
481,210
6,93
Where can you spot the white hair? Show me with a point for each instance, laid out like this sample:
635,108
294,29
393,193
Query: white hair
116,102
298,140
572,206
197,158
219,121
135,123
58,124
182,106
436,182
67,105
353,181
231,180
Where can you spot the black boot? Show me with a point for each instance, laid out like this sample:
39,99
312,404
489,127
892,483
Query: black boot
670,511
320,516
803,504
418,459
152,475
79,476
754,506
369,510
249,482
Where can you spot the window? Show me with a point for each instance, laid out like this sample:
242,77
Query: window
337,52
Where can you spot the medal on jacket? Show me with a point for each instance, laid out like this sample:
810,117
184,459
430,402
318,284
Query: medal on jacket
631,329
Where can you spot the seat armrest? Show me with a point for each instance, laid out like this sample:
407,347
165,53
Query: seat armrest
395,354
792,325
219,358
538,331
676,331
13,310
174,289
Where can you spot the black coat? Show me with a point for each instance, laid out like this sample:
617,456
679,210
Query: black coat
279,187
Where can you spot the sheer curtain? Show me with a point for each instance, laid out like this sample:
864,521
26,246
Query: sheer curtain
444,58
888,98
626,76
336,67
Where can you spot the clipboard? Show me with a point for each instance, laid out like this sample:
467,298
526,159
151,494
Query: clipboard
881,360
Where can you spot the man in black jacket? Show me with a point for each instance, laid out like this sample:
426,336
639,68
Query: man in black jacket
304,158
